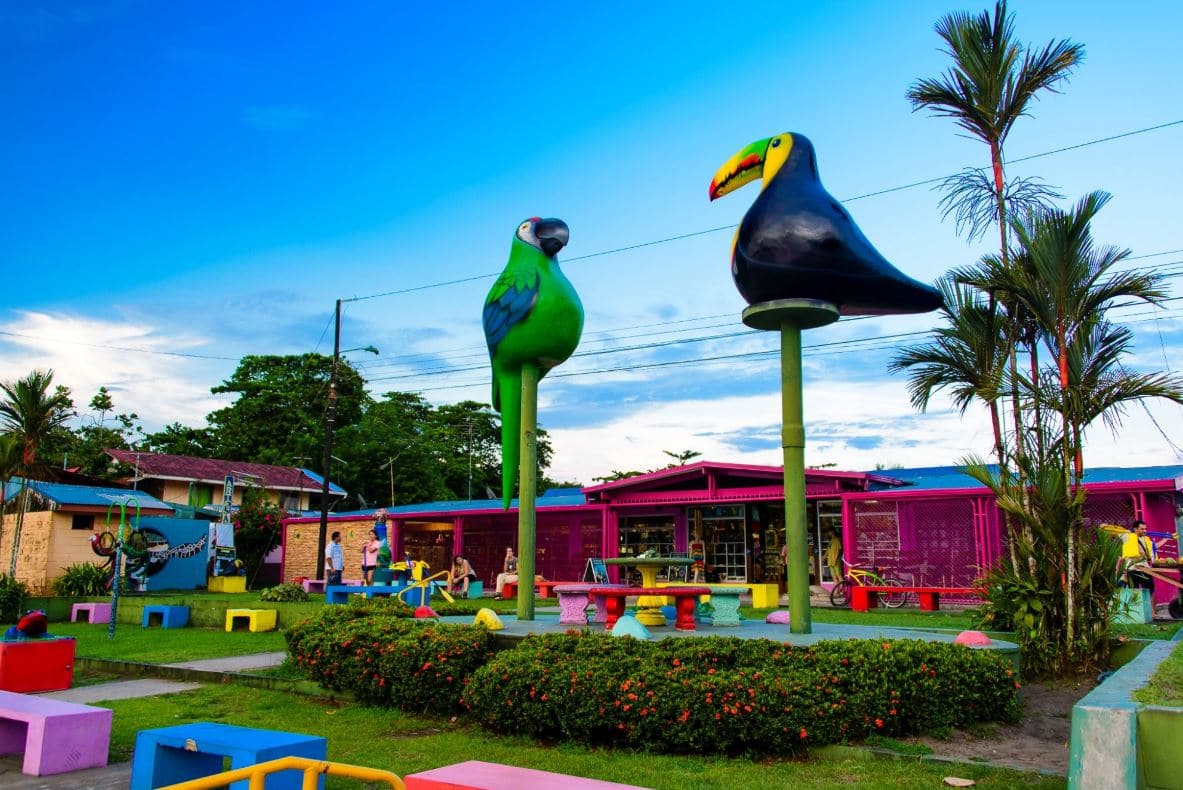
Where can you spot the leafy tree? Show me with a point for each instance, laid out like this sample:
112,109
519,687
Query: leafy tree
30,410
387,452
177,439
682,458
278,413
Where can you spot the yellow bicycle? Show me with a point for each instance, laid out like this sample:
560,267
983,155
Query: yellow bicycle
865,576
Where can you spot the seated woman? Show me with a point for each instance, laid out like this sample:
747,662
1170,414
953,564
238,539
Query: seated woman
509,572
462,574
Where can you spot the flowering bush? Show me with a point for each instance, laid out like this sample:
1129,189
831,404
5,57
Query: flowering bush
384,657
724,695
256,531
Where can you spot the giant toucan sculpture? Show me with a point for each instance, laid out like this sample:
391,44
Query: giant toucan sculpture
798,242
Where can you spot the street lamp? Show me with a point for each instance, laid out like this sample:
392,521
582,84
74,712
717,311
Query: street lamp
330,419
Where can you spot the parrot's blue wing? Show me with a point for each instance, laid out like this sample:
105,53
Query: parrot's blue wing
510,308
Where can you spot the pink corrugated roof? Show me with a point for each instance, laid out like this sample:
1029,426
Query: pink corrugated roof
214,470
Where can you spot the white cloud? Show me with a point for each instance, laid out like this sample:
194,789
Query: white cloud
81,352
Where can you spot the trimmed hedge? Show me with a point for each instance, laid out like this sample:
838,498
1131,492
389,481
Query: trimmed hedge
386,658
726,695
719,695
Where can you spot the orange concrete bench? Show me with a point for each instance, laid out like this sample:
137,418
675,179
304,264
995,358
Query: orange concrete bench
544,589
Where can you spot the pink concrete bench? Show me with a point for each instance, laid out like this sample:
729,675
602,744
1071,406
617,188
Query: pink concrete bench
314,585
479,775
55,736
573,600
95,612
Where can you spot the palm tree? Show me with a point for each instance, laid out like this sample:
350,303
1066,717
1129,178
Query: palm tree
1069,285
992,82
963,357
990,86
10,458
30,410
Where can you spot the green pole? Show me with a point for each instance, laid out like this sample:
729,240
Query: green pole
793,442
527,485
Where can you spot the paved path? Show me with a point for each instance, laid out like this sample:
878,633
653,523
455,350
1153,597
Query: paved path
111,777
118,775
120,689
235,663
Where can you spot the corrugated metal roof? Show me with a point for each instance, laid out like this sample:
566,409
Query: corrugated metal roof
215,470
87,496
556,497
935,478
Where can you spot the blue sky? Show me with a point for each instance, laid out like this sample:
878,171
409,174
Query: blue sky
207,179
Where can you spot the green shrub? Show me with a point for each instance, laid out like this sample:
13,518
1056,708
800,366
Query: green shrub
12,596
82,580
284,592
384,657
726,696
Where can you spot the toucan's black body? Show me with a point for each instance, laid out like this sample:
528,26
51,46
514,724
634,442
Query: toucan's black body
797,242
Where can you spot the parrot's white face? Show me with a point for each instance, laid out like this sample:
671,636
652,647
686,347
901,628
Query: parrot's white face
526,233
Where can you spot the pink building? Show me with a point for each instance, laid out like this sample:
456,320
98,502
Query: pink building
935,525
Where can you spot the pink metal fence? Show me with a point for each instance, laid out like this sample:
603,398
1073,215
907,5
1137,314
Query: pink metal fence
948,540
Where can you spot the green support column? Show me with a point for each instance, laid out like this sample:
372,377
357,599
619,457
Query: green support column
793,443
527,487
790,317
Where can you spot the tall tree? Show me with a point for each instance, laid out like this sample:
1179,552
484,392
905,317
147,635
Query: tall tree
177,439
990,85
279,409
30,410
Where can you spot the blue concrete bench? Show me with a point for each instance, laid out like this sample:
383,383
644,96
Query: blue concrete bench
189,751
339,593
165,616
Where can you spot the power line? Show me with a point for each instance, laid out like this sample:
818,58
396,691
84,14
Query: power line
118,348
692,234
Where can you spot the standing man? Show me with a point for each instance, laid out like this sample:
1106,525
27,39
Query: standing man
334,560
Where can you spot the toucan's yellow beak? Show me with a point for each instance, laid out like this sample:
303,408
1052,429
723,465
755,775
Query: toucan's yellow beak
761,159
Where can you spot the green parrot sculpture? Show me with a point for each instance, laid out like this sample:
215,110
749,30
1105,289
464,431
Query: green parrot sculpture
532,316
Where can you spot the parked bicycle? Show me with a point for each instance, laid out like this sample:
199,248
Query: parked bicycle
865,576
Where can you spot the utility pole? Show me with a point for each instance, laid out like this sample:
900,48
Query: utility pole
330,418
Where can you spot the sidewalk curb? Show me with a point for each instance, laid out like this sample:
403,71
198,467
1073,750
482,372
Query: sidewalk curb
164,672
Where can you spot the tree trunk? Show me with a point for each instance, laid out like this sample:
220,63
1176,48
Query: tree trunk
1067,439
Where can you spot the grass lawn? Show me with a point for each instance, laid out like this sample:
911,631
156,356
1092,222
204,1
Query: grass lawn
406,744
165,645
1166,685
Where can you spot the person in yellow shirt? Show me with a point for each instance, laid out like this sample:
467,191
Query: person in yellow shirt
1139,549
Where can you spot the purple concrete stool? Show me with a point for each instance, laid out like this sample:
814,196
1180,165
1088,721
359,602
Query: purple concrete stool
95,612
572,603
55,736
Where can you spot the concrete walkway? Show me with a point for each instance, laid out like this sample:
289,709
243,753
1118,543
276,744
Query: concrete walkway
120,689
235,663
118,775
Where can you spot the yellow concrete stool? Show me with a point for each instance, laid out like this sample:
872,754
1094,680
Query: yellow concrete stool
257,619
